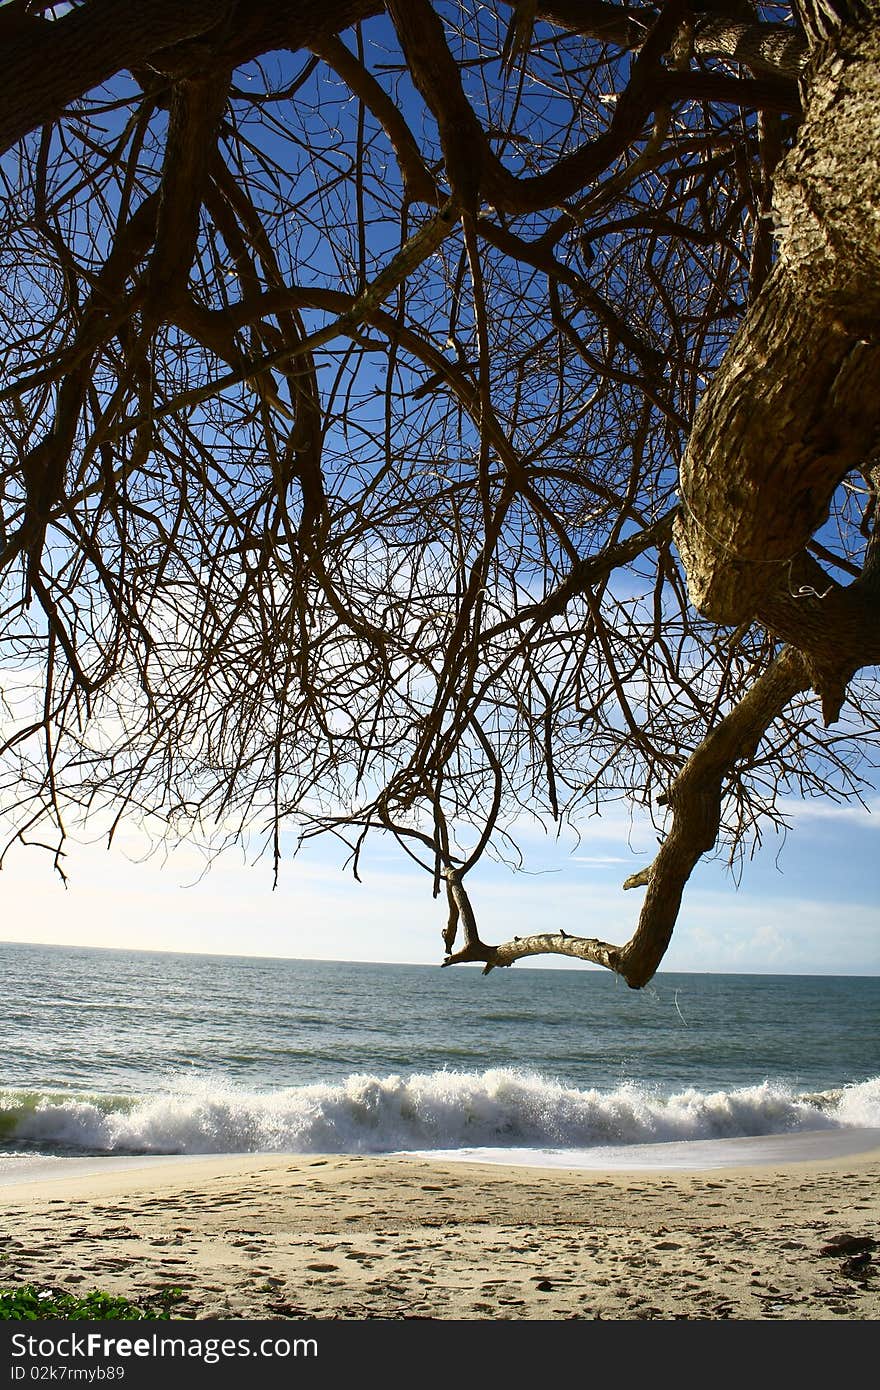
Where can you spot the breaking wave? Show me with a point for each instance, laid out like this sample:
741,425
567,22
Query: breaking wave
447,1110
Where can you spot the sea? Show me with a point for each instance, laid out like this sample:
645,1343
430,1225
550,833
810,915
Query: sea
119,1053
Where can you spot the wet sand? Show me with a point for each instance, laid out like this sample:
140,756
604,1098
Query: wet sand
344,1236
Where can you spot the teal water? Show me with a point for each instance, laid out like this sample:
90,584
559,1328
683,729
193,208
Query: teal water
129,1051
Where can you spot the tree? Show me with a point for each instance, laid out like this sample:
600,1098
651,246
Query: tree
426,413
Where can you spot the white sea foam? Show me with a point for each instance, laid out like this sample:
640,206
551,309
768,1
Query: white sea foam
499,1108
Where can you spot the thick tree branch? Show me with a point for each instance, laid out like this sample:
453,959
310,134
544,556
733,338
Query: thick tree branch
771,49
472,168
751,94
695,798
193,125
764,48
44,70
835,627
419,182
623,25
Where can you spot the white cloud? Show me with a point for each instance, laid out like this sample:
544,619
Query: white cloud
741,932
854,813
598,860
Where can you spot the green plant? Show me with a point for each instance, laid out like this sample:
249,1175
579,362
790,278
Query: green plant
29,1302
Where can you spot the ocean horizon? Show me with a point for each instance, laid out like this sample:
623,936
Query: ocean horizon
114,1052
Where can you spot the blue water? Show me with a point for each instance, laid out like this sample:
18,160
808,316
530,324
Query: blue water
133,1052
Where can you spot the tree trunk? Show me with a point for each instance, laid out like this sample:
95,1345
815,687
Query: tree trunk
795,404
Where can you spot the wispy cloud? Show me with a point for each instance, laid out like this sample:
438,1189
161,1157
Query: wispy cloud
853,813
599,860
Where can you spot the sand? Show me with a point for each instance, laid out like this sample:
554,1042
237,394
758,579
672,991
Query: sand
290,1237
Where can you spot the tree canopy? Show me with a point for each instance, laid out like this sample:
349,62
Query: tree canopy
422,415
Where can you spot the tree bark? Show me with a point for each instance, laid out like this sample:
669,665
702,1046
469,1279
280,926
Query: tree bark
46,68
795,404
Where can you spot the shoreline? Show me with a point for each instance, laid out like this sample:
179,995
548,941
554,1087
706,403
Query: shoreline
680,1156
398,1236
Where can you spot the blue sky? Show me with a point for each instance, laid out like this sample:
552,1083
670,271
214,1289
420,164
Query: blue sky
807,904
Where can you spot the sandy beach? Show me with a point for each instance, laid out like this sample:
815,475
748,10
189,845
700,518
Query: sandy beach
352,1237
